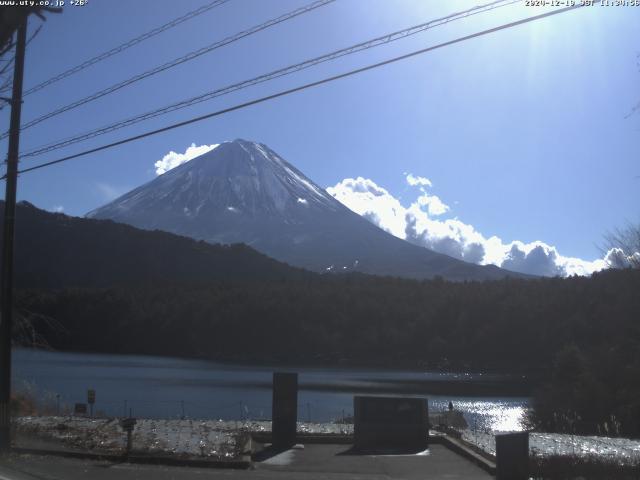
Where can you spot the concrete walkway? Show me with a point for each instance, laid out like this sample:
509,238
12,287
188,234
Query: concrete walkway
338,460
314,462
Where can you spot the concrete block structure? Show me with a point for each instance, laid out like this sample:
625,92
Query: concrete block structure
512,456
390,423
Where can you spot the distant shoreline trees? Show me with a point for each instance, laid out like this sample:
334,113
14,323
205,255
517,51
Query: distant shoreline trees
577,337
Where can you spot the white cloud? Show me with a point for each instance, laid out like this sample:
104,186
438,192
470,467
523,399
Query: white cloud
416,181
58,209
617,258
433,204
366,198
416,224
537,259
173,159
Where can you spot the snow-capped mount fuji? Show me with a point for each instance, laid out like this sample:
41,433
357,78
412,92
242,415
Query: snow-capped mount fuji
244,192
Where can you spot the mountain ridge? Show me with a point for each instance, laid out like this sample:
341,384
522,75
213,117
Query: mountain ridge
242,191
54,250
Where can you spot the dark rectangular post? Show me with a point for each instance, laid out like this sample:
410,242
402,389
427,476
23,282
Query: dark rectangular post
512,456
284,409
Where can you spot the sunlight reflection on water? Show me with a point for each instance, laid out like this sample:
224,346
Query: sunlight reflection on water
488,414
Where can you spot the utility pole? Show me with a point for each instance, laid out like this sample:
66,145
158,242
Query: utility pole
6,279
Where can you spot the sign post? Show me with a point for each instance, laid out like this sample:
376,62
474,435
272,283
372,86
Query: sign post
91,399
80,409
127,425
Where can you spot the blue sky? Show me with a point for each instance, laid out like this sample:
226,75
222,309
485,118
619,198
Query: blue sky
522,133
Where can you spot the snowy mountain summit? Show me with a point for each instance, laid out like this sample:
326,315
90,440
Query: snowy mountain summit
244,192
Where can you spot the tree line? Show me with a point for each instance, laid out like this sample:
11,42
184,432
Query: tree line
577,338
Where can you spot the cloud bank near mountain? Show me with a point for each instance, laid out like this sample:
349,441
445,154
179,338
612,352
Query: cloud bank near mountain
421,223
173,159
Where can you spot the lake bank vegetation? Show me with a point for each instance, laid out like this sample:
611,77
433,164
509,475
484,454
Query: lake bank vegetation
594,467
577,338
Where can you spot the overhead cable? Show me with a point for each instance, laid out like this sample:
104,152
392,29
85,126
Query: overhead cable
375,42
125,46
177,61
302,87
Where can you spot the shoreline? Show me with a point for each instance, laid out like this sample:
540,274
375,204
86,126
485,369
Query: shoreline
459,383
218,439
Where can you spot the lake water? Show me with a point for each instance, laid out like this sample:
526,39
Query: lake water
162,387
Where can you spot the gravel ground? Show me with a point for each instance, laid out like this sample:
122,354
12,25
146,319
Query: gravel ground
201,438
218,438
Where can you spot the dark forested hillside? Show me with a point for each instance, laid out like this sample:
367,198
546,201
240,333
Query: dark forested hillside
579,337
53,250
112,288
509,324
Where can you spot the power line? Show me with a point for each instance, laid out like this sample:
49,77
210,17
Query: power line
302,87
177,61
126,45
375,42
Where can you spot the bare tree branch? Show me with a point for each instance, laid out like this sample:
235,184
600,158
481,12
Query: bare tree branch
627,242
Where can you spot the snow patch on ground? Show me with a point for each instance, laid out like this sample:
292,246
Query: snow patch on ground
544,444
218,438
282,459
190,437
